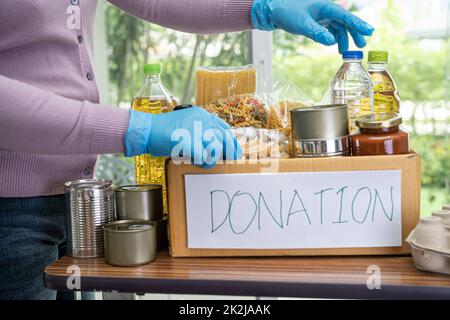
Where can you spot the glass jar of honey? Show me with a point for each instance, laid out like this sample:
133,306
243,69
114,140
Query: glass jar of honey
380,134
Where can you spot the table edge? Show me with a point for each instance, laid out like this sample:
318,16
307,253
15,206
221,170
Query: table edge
250,288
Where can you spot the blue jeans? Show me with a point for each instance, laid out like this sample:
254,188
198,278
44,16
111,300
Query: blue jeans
32,230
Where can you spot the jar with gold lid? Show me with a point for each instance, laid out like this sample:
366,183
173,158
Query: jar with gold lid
380,134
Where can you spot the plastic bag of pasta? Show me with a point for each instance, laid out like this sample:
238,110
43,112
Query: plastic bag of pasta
214,83
258,143
240,111
249,117
281,97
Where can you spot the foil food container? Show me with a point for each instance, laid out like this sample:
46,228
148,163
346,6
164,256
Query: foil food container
139,202
430,245
89,205
320,131
130,242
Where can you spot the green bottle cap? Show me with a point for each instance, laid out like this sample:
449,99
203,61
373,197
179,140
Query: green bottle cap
153,68
378,56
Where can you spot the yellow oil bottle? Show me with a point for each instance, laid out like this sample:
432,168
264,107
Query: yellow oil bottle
386,98
154,98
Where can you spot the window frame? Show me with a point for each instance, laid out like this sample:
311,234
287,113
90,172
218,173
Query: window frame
260,48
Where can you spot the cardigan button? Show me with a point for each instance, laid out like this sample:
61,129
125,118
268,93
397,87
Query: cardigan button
74,2
90,76
87,171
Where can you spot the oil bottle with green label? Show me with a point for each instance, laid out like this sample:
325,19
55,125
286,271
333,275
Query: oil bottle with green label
386,98
154,98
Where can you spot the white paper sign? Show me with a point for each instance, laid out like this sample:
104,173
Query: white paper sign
294,210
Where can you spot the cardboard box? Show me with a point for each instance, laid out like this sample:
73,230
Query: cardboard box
407,168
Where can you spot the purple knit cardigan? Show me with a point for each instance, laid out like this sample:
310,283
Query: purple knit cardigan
51,124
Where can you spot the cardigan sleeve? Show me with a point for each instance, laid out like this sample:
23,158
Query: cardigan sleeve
33,120
193,16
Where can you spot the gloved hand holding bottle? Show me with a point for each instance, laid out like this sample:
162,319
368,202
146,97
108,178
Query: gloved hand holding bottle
191,133
320,20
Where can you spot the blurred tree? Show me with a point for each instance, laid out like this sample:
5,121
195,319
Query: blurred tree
133,42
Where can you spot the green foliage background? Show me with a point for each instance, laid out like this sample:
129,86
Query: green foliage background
133,42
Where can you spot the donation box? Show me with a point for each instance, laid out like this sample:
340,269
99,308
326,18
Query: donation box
298,207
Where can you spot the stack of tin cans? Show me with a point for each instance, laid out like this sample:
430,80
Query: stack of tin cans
89,206
143,202
92,229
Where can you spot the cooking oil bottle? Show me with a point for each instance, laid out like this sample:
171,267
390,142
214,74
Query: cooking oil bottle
154,98
386,98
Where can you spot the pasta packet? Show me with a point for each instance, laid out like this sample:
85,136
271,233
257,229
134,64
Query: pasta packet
257,143
215,83
260,122
240,111
282,96
249,117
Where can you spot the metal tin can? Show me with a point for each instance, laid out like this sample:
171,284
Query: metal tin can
140,202
320,131
130,242
89,206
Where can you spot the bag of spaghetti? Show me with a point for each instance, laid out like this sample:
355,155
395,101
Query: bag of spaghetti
216,82
249,118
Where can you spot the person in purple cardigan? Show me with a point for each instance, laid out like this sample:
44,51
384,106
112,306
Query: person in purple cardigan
52,126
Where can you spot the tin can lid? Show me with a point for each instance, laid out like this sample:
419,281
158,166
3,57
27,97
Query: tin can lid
139,188
129,226
88,184
379,120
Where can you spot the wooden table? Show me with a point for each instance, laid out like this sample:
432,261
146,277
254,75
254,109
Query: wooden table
315,277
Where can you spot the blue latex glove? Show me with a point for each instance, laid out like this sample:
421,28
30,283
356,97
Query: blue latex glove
320,20
192,133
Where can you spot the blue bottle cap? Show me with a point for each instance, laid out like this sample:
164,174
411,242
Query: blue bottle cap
355,54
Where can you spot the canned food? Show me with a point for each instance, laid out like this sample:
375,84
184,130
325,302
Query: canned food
130,242
139,202
89,206
320,131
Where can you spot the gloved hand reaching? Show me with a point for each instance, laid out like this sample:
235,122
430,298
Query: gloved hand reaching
192,133
320,20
